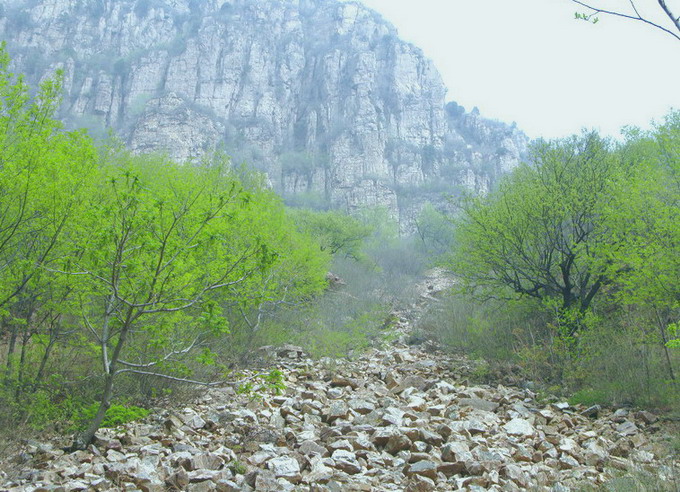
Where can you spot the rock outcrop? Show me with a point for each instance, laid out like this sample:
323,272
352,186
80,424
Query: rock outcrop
322,95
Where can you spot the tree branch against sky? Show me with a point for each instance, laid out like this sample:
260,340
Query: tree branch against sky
627,93
657,19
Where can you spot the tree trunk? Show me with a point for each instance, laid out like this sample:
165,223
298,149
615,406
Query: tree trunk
43,363
664,340
671,373
22,360
14,332
86,437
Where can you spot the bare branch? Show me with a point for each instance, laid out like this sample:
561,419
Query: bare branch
638,17
171,378
632,4
164,359
675,20
89,326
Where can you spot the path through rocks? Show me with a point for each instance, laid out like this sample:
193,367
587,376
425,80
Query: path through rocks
396,418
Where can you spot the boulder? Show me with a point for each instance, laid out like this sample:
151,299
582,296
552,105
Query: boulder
285,467
519,427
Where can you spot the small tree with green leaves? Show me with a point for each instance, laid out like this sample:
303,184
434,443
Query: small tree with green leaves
435,230
136,261
45,172
160,241
337,233
643,255
295,277
537,234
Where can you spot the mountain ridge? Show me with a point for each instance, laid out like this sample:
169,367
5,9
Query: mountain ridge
321,95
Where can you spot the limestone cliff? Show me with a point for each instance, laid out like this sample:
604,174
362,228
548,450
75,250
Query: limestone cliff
322,95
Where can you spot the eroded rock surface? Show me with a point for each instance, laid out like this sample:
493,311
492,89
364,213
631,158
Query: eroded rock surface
320,94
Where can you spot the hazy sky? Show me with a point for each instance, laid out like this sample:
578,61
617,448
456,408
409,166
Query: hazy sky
531,62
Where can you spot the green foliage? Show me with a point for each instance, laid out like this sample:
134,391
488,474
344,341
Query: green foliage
592,18
171,245
350,316
385,227
617,359
643,254
336,325
238,467
336,232
538,233
134,263
38,411
588,397
633,13
481,372
271,382
355,335
435,230
674,331
44,173
641,479
44,177
623,358
491,330
116,414
590,232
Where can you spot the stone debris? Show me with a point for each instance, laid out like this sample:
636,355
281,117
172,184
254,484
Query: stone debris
398,418
519,427
592,411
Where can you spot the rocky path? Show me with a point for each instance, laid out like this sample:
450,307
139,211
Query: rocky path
399,418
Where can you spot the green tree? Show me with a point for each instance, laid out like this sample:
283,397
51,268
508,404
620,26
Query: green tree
336,232
44,173
158,242
536,235
296,276
135,261
645,217
643,255
435,230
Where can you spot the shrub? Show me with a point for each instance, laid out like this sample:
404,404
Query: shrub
494,330
622,362
116,414
588,397
618,358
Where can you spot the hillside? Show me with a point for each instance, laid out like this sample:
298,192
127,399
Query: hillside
398,417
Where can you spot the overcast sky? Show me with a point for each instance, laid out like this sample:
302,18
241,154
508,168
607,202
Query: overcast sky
531,62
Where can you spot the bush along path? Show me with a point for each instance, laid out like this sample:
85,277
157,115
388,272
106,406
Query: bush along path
398,418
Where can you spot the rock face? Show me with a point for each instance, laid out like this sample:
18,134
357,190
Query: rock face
320,94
